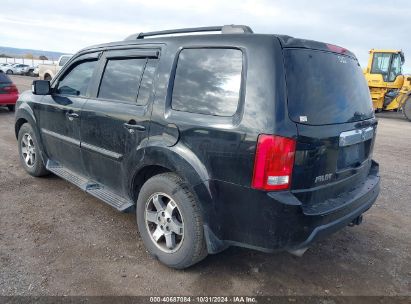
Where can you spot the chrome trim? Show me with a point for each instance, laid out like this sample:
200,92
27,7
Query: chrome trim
352,137
102,151
61,137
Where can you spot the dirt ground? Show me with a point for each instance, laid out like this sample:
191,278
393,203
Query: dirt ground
57,240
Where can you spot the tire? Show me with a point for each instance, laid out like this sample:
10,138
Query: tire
10,72
170,190
47,77
27,138
406,108
11,107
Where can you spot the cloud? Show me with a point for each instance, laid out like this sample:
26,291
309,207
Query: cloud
69,26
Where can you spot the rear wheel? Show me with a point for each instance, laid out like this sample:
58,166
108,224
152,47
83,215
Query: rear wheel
406,108
29,151
11,107
47,77
170,222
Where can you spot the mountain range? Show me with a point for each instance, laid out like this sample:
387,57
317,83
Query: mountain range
18,53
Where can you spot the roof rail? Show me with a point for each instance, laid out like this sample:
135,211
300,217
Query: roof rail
225,29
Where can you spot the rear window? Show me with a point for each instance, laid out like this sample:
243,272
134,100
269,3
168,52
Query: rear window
4,78
121,79
325,88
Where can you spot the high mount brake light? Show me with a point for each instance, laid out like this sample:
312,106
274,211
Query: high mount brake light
274,162
336,48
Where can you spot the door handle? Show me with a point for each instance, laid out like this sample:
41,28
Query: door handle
134,127
71,115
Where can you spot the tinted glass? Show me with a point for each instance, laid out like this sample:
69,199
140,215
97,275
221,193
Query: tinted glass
208,81
77,80
325,88
4,78
121,79
64,60
146,85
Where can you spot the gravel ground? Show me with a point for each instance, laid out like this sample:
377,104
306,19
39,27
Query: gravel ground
57,240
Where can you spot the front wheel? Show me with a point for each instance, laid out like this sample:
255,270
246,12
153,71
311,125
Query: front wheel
29,151
11,107
406,108
10,72
170,222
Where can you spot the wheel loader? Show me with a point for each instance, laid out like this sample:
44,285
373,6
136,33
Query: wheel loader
390,89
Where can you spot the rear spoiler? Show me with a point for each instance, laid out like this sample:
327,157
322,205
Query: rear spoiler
291,42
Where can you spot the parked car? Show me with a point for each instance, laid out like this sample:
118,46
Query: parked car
15,68
209,141
6,68
21,69
8,92
34,71
48,71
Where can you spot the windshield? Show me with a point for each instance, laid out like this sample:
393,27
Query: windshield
325,88
381,64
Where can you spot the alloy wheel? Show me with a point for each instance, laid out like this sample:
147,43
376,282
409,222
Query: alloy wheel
28,150
164,222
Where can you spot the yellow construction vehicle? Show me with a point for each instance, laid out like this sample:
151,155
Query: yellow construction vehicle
389,88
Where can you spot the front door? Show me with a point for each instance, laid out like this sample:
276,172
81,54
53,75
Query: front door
115,120
60,113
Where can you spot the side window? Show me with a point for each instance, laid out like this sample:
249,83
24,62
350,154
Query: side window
146,85
395,67
76,81
208,81
121,79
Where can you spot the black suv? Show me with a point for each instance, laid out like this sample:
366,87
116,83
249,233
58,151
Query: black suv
219,139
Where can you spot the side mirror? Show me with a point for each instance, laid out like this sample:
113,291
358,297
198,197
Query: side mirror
41,87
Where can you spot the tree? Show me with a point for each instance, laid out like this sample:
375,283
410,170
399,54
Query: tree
42,57
28,56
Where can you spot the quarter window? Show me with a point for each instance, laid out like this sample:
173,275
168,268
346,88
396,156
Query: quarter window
76,81
121,79
208,81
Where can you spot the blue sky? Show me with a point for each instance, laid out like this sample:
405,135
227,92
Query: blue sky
68,26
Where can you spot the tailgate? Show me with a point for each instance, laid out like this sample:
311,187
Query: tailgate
329,100
331,162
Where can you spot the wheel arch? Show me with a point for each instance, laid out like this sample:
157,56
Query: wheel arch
25,114
160,159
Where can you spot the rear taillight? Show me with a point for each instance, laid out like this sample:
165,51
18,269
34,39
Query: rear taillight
273,164
12,89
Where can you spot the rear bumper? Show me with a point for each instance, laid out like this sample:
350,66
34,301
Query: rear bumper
278,221
8,99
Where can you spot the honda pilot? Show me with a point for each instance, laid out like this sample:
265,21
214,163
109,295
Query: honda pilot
218,139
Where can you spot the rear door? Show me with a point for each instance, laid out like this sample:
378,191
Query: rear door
115,120
329,101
